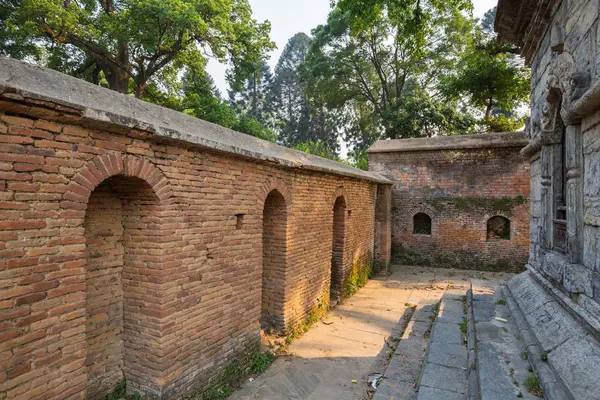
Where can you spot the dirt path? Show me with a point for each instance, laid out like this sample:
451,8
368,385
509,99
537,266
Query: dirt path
323,363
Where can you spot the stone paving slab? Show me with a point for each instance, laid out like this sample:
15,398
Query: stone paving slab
449,355
445,378
323,363
394,390
427,393
501,367
447,333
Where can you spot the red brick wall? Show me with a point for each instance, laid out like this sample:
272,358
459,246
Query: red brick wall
122,254
460,190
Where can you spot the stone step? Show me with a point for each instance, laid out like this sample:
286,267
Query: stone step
402,374
444,375
564,351
499,367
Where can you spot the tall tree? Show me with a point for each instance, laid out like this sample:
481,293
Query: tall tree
380,62
299,116
202,99
291,110
253,98
491,78
127,42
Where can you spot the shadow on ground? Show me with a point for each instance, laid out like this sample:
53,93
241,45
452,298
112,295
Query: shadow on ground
323,363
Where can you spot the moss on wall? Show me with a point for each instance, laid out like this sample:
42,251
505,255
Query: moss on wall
471,203
407,256
362,269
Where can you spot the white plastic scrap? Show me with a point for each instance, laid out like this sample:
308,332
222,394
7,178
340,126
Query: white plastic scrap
374,379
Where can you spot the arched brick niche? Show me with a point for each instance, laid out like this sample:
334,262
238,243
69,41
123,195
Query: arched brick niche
274,257
337,247
422,224
108,165
124,200
498,228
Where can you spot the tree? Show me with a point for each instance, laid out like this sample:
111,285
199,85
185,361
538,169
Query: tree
291,110
202,100
380,63
253,98
126,43
316,148
491,78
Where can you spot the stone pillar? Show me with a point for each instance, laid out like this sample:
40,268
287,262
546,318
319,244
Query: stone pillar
383,228
574,193
546,196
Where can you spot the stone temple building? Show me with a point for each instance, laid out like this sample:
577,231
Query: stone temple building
141,243
458,201
558,298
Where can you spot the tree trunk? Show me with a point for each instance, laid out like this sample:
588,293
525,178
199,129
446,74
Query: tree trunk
488,110
116,76
139,90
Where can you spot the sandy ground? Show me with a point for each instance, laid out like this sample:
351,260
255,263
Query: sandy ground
323,363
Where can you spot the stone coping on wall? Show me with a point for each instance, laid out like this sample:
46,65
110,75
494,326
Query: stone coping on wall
23,81
480,141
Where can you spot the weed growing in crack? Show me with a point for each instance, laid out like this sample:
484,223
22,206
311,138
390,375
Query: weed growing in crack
532,383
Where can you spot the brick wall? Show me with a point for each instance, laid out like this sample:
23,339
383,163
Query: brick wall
460,189
126,255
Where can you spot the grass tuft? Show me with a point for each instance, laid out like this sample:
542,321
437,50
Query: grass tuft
532,383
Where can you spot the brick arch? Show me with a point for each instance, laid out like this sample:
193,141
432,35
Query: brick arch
269,186
340,192
488,216
108,165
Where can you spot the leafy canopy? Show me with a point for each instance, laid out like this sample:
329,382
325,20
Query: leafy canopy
380,63
491,78
125,43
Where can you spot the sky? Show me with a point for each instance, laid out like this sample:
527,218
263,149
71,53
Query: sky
289,17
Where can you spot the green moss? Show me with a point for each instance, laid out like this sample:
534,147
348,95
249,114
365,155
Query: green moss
120,392
463,325
231,377
314,315
471,203
360,273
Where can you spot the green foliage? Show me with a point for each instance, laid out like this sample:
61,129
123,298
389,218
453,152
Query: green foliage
501,302
378,62
544,356
362,270
120,392
492,79
532,383
502,123
314,315
317,148
359,159
463,325
127,43
299,115
253,99
249,125
261,361
233,374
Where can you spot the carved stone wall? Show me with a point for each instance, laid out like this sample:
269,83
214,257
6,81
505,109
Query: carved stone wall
564,143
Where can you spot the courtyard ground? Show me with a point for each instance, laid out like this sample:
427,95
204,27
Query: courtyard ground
353,340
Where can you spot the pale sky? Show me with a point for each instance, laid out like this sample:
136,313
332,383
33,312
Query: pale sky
289,17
